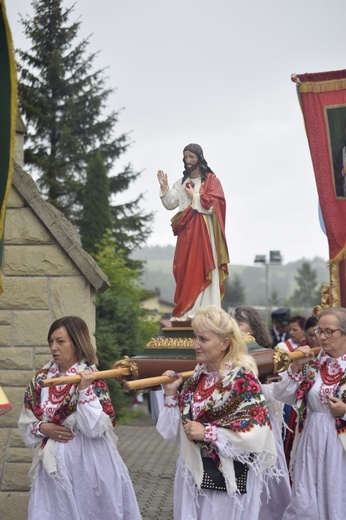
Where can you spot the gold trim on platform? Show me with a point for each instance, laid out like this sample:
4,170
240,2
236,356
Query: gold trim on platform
171,343
248,338
175,329
184,343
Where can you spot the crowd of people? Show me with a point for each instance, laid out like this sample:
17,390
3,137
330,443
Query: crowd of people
206,416
234,462
228,425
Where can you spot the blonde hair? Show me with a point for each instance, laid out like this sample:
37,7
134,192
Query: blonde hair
213,319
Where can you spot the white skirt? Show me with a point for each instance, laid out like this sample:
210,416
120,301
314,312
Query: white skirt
214,504
94,483
319,487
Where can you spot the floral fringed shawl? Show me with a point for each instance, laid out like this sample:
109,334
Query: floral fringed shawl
32,396
236,406
63,415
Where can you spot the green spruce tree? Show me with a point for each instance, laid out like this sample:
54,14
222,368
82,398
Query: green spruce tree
96,217
63,98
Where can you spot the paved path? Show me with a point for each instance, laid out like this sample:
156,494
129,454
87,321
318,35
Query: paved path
151,461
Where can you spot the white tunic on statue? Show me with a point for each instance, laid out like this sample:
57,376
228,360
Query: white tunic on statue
319,485
92,480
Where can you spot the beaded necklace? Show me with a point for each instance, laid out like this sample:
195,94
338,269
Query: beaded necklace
57,394
331,372
202,391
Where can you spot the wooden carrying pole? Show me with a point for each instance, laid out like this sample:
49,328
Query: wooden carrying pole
70,380
153,381
162,380
297,354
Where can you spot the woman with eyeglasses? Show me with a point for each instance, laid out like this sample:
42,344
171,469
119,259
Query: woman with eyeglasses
316,385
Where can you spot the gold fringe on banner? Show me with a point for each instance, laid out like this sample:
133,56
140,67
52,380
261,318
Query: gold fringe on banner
322,86
340,256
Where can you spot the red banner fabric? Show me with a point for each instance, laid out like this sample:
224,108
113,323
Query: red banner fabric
323,102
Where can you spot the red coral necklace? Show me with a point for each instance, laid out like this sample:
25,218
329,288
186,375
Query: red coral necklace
331,372
202,392
57,395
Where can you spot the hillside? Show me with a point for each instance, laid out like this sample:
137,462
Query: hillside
157,275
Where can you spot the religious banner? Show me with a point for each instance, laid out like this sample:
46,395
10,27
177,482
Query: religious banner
8,113
322,98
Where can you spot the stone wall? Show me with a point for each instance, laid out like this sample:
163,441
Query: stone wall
41,284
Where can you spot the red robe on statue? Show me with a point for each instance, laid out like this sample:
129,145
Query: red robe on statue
193,260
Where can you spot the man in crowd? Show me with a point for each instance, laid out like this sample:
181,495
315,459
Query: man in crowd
279,331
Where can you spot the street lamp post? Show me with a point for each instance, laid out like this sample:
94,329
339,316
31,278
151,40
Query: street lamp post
274,259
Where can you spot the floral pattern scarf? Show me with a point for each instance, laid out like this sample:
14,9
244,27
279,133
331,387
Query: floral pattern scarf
237,406
32,397
44,450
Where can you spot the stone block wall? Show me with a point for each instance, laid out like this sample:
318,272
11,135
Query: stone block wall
41,284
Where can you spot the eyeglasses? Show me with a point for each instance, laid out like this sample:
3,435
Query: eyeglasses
327,332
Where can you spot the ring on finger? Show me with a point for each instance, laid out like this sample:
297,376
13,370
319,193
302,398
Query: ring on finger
59,435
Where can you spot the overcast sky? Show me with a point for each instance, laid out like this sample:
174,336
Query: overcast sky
218,73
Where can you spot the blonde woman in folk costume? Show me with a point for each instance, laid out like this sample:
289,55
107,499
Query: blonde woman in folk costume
221,421
201,254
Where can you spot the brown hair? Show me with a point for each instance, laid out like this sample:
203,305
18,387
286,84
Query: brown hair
255,320
79,334
298,319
